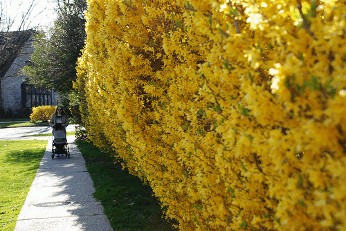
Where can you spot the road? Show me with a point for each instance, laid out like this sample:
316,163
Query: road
19,133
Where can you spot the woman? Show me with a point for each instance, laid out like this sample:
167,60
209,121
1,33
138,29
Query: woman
59,117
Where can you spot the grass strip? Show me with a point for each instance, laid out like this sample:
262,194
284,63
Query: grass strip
24,124
19,161
15,120
128,203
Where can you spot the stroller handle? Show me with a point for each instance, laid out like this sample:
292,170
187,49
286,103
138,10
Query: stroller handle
59,126
65,125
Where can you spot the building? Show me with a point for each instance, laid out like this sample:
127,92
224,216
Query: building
16,95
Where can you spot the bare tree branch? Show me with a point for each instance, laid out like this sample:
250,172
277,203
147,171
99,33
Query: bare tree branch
235,20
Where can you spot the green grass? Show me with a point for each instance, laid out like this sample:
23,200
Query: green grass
14,120
25,124
128,203
19,161
50,134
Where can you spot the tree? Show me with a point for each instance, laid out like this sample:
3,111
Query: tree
11,42
15,31
56,53
8,21
55,56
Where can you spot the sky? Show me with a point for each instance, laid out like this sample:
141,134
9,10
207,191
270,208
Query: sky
42,14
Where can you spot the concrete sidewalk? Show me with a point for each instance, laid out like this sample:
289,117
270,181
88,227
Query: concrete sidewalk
60,197
25,133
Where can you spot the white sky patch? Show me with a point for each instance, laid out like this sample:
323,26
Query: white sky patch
40,16
275,84
263,4
275,80
255,19
223,7
342,93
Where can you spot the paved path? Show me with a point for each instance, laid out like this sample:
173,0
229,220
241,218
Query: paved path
60,197
19,133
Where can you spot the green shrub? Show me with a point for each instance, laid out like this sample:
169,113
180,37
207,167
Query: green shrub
9,113
24,113
2,112
42,113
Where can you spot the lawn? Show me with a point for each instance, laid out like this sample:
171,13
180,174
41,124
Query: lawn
13,124
19,161
128,203
15,120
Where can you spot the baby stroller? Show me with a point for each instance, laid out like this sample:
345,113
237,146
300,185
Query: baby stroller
59,142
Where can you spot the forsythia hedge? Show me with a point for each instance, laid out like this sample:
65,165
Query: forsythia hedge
233,111
43,113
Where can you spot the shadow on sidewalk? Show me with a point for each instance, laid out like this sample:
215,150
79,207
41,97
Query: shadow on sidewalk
61,196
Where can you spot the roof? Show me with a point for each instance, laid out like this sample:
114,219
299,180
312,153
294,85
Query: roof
10,44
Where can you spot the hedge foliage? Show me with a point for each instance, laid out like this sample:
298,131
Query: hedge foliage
233,111
43,113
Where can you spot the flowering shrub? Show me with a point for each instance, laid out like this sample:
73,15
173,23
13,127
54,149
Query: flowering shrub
233,111
43,113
